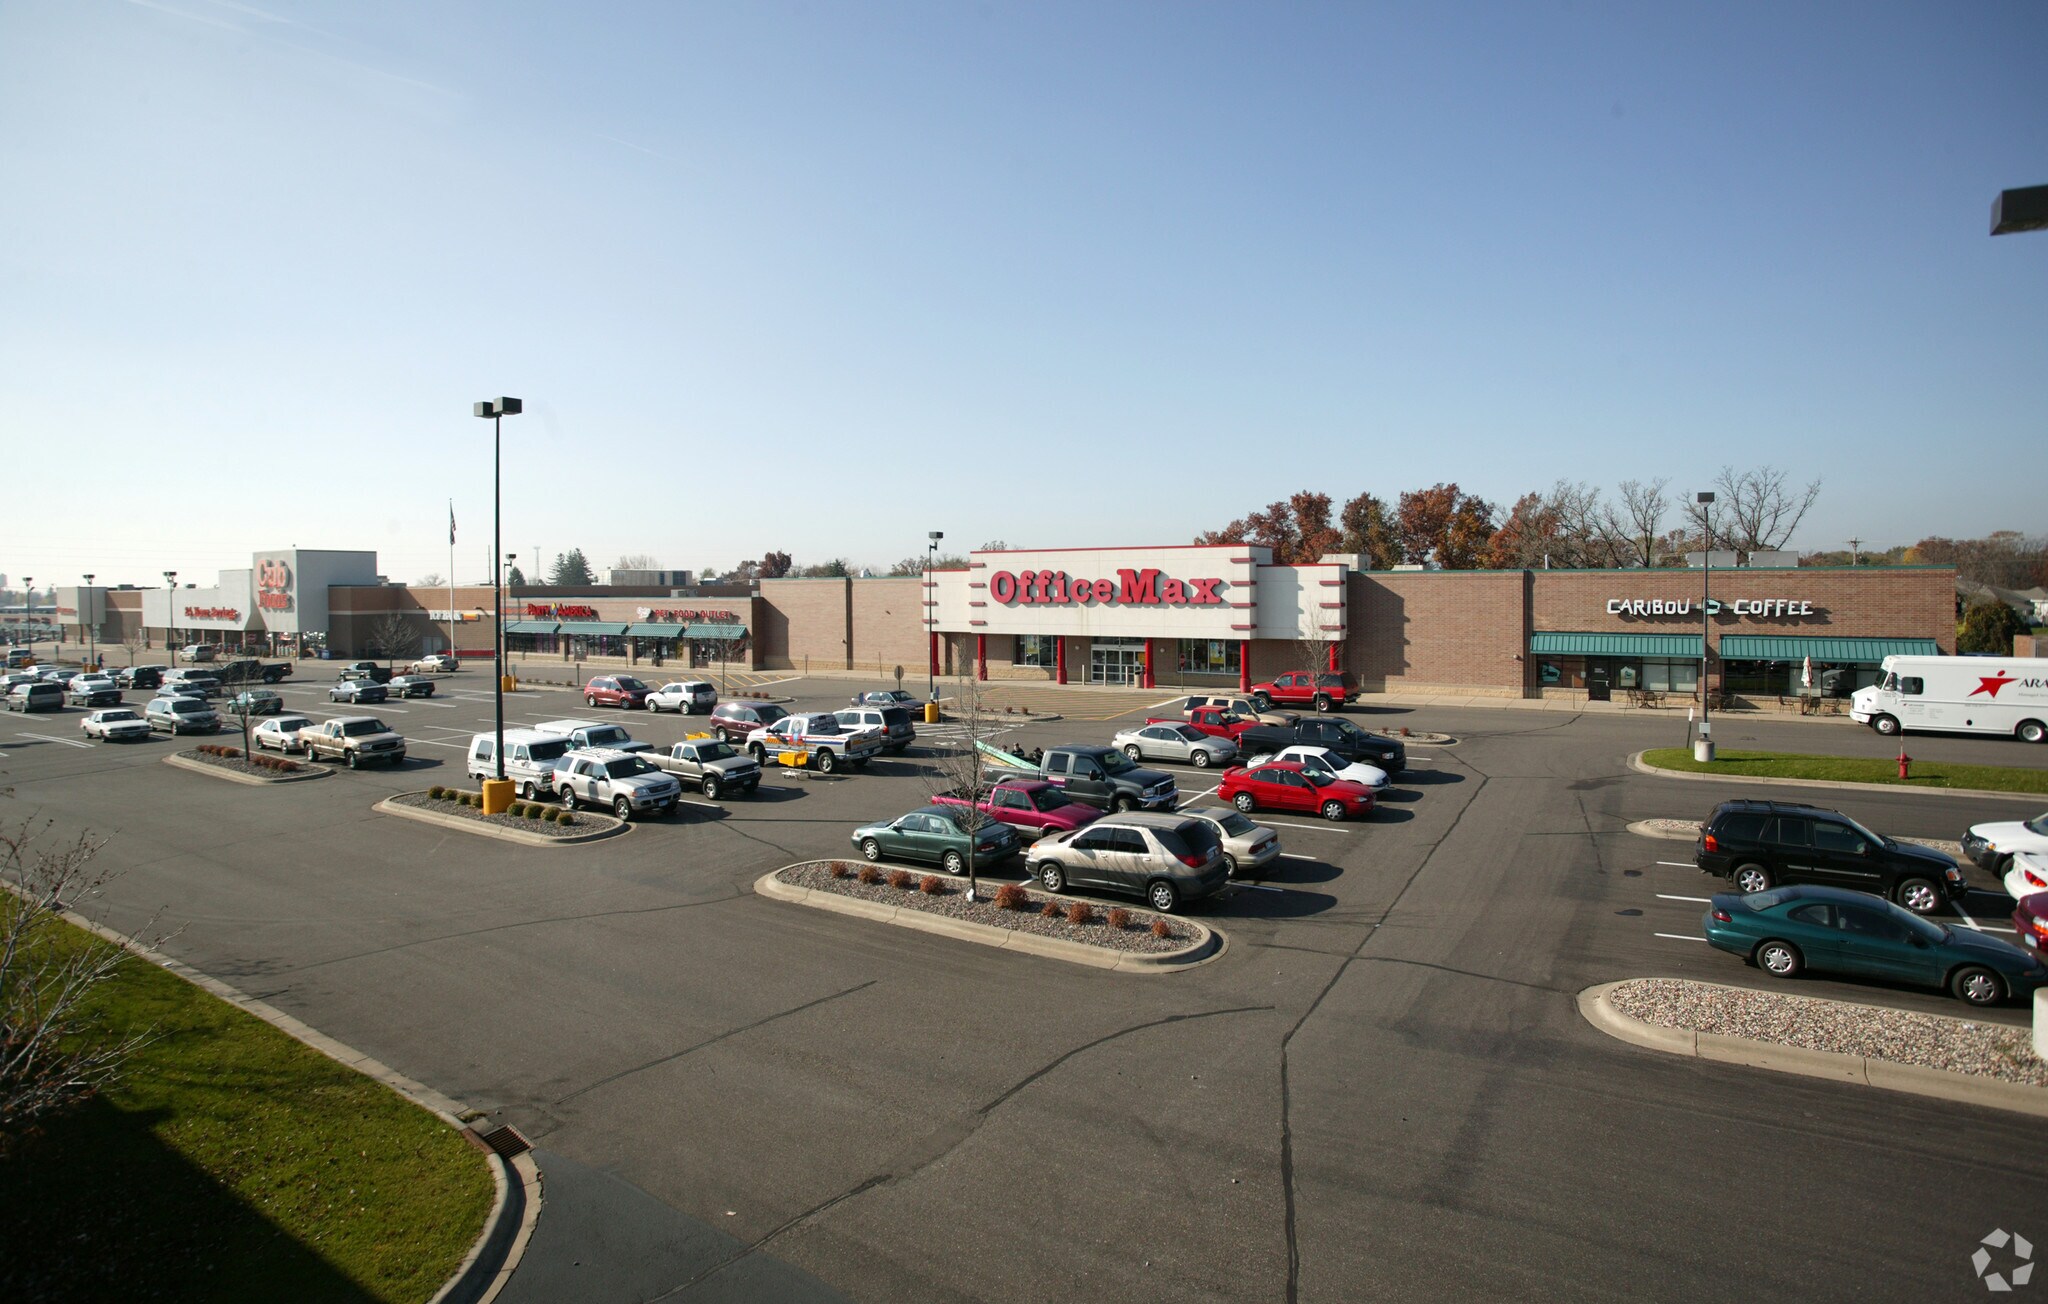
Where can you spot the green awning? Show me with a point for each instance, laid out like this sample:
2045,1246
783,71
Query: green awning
530,627
718,631
1616,645
611,628
656,629
1759,647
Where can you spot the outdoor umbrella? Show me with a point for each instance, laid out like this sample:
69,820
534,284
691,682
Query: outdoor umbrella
1806,673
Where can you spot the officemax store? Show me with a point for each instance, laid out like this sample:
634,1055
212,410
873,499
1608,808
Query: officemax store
1227,616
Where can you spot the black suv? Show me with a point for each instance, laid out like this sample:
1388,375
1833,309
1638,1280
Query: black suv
733,721
1759,844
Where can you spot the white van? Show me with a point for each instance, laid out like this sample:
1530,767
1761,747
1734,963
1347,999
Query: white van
2001,695
593,733
531,758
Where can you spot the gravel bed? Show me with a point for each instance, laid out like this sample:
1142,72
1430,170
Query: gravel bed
1899,1036
587,822
953,904
242,766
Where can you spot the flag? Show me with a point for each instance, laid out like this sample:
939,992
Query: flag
451,522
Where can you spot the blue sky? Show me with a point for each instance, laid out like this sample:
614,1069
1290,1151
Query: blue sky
821,277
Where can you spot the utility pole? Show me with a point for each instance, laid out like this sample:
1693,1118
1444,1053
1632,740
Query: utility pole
1855,556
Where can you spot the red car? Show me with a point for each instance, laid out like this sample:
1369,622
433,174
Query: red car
2031,920
1324,692
616,690
1211,720
1029,804
1288,785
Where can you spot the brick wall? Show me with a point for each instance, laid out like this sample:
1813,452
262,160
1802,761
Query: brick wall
1431,630
802,618
888,627
1859,602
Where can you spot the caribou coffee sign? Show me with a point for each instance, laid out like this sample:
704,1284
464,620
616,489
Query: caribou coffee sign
273,586
1130,588
1754,608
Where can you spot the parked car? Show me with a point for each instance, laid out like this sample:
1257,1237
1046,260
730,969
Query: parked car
191,683
87,690
1246,845
1331,731
58,675
2030,921
815,740
1759,845
1167,859
197,652
1101,776
1290,785
531,759
622,691
932,837
715,768
1790,929
893,722
1212,720
357,739
280,733
369,670
140,676
1323,691
685,697
1031,804
589,733
37,696
2028,875
1240,706
1322,758
1168,741
733,721
115,724
410,686
255,701
1992,845
176,715
14,677
628,784
357,691
436,663
887,697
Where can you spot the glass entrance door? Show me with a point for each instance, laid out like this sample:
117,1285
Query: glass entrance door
1116,661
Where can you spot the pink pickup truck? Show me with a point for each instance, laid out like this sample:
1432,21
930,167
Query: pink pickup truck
1028,803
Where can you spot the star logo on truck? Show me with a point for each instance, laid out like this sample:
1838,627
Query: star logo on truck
1990,686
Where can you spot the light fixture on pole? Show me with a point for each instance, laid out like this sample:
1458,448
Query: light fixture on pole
1704,749
28,607
931,615
497,792
85,610
170,609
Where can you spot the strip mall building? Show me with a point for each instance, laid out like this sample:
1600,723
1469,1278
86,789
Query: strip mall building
1159,617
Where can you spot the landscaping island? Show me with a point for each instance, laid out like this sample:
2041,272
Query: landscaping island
535,822
1849,769
229,763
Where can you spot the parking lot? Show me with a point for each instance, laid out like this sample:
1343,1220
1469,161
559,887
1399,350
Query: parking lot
1382,1088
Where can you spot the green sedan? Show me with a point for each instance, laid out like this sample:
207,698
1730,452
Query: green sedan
929,836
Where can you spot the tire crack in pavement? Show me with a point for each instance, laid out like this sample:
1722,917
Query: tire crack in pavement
608,1079
946,1141
1286,1101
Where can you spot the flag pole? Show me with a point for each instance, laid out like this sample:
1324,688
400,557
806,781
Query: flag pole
451,577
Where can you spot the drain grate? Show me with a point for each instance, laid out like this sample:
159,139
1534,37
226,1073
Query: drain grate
505,1141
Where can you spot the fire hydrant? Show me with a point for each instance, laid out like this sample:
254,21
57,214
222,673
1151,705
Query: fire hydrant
1905,764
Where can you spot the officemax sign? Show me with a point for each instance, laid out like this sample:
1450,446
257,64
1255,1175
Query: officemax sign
1149,587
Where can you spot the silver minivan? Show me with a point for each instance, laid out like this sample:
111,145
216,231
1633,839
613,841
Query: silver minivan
1168,859
531,759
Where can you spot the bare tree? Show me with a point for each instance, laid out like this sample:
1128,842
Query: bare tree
56,1051
638,561
430,580
967,771
394,635
1757,510
1636,523
134,641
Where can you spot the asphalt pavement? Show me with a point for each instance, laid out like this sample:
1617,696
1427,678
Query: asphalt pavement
1382,1090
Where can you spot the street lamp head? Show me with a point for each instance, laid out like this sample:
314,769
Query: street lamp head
498,407
936,535
2024,209
1705,497
88,577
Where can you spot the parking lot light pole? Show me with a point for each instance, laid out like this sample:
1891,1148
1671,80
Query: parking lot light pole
91,634
931,624
28,609
170,610
498,791
1704,750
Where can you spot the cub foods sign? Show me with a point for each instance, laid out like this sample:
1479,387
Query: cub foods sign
1130,588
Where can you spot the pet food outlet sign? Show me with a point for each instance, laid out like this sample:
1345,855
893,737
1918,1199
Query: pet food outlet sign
1753,608
1130,588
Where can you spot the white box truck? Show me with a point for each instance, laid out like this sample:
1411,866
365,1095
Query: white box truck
2001,695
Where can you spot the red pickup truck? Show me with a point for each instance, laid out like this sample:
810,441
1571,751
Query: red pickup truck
1211,720
1323,691
1028,803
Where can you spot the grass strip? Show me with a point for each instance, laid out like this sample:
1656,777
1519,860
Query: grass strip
233,1163
1847,769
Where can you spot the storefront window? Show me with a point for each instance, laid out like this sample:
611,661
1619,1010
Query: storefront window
1036,650
1671,676
1210,656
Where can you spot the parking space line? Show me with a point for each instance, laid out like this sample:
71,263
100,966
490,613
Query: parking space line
1680,937
1677,864
437,742
1295,855
1261,887
1666,896
1198,796
68,742
1968,922
1311,828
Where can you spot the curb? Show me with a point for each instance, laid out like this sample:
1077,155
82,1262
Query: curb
201,767
1211,944
390,806
1636,763
516,1182
1598,1010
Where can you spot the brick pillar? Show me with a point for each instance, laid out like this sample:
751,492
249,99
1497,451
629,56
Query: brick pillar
1146,682
1059,648
1244,666
981,656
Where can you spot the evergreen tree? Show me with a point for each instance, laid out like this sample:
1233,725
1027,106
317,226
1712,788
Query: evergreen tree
571,570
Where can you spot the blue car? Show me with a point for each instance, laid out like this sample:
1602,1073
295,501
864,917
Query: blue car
1826,929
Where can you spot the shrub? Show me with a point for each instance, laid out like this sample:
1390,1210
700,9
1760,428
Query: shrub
286,767
931,885
869,874
470,799
564,817
517,810
1160,928
1080,912
1050,910
548,814
837,869
1119,918
899,878
1010,896
437,792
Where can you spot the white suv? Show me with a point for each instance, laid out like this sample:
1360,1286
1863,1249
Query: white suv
605,776
689,697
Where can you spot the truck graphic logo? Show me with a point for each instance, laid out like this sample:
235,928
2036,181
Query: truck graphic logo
1990,686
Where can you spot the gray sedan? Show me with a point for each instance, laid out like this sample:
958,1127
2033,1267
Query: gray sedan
1175,742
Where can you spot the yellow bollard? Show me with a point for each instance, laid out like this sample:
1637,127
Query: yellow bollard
497,796
931,712
511,684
